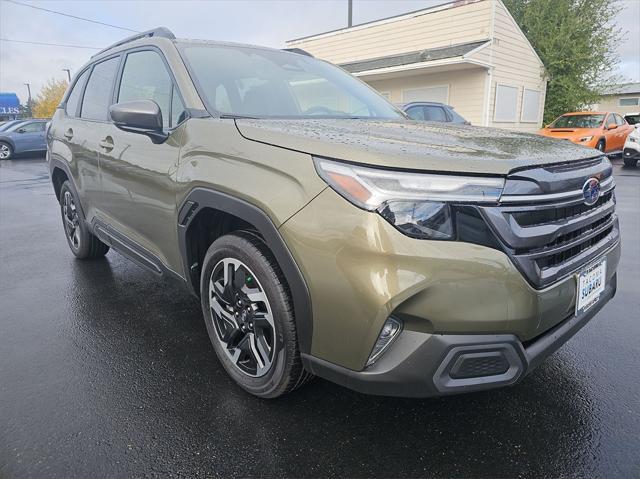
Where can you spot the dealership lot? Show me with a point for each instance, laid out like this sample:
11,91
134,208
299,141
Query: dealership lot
107,371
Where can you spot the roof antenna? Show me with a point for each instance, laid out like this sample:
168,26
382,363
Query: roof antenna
350,16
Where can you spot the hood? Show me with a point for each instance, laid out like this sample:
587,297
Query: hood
567,133
430,146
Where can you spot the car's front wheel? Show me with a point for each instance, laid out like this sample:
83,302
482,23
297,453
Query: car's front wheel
83,244
630,162
249,316
6,151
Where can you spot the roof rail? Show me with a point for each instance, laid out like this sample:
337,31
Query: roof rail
299,51
162,32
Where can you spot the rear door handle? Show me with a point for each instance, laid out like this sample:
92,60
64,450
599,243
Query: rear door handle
107,143
68,134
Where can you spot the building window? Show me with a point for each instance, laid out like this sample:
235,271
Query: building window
506,105
438,94
530,106
629,101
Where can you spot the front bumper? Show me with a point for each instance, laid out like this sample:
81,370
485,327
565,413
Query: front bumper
423,365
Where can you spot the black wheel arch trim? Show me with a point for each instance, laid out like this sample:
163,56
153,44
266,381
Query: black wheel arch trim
200,198
56,163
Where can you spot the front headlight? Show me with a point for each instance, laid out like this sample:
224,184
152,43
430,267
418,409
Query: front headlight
418,204
585,138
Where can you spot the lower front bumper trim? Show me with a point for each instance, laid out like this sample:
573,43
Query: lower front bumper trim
424,365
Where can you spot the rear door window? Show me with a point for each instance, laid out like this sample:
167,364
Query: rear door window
74,97
435,113
97,96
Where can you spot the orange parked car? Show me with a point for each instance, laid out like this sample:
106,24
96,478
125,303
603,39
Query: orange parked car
605,131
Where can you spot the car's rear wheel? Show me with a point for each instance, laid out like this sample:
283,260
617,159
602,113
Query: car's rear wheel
6,151
601,145
249,316
83,244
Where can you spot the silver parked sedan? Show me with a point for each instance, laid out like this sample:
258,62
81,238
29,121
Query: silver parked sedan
23,137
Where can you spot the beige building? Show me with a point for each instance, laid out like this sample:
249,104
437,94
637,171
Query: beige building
470,54
623,99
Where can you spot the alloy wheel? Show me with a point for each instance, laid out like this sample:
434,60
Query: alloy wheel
242,317
71,220
5,152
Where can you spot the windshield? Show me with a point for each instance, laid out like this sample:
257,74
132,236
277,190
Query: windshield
261,83
632,119
6,126
578,121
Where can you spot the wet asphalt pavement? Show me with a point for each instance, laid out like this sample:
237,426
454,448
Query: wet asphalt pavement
107,371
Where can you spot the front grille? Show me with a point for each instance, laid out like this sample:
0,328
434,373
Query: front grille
553,215
571,237
564,256
554,233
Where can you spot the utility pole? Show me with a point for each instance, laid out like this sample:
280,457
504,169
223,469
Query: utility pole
68,73
350,17
29,100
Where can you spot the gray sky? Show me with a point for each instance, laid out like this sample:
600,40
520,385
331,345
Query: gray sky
262,22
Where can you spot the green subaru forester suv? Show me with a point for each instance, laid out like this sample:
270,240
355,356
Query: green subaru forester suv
325,233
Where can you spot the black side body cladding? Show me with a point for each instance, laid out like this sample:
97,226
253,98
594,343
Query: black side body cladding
200,198
55,163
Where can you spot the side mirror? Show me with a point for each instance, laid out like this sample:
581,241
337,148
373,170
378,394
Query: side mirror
141,116
612,126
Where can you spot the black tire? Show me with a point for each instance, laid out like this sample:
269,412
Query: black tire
630,162
286,372
6,151
82,243
601,145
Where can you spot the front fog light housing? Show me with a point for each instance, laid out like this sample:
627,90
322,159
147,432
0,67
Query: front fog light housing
388,334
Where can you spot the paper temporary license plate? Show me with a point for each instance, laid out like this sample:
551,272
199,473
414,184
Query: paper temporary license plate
590,285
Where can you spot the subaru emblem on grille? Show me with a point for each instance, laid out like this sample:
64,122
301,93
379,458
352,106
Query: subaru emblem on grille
591,191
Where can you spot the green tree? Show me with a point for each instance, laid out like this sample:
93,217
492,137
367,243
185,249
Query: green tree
49,98
577,42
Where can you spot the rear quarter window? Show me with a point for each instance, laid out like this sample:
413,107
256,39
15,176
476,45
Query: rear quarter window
73,100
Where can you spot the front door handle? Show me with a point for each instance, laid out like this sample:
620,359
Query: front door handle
68,134
107,143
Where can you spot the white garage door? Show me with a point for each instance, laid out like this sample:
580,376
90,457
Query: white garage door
432,93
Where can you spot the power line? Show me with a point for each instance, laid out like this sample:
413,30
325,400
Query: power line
49,44
73,16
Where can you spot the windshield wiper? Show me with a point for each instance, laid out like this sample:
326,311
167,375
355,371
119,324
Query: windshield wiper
229,116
